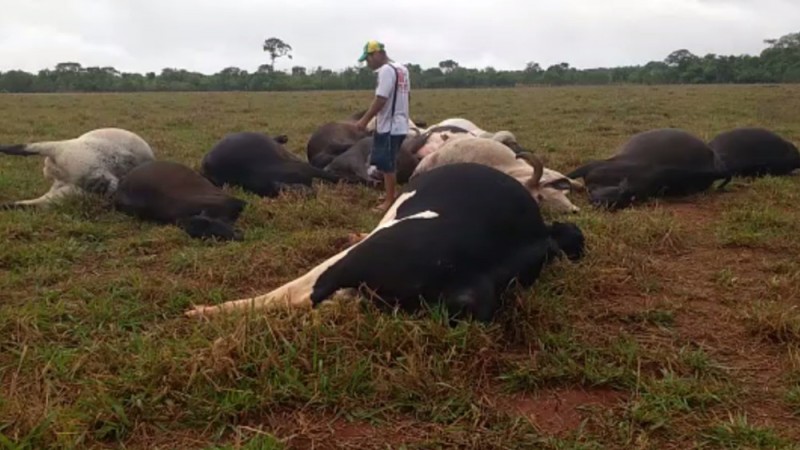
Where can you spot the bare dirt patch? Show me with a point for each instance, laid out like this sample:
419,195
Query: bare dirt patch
556,412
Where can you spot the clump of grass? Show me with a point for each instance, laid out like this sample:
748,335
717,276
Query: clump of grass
775,322
755,225
792,398
260,442
663,399
657,317
563,359
739,433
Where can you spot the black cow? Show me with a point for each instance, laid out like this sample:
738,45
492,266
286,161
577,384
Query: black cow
353,165
260,164
168,192
661,162
331,140
458,234
753,152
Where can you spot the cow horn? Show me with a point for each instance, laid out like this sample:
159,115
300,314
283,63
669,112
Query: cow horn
538,168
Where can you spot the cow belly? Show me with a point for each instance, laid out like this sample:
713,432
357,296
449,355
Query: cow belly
420,258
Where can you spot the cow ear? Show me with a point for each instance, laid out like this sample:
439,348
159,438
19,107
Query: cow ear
281,138
562,184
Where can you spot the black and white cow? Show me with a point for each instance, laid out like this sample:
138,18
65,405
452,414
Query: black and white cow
755,151
260,164
90,163
660,162
168,192
458,234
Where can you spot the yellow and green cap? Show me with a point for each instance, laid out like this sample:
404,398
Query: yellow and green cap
370,47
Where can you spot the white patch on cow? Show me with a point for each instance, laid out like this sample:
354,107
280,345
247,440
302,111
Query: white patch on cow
297,293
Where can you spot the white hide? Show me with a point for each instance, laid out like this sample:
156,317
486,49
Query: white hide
297,293
435,141
105,154
549,192
503,136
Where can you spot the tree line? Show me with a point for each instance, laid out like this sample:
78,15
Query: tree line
779,62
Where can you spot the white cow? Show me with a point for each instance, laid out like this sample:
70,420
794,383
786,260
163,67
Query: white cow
547,186
504,136
93,162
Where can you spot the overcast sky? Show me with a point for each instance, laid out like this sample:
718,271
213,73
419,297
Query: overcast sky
209,35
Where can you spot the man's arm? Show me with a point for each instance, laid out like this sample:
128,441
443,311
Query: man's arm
376,106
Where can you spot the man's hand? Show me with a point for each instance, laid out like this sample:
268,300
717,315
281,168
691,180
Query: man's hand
377,105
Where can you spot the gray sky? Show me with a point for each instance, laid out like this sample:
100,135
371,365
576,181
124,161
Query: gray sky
209,35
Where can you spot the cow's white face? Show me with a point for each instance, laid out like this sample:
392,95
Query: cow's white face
553,190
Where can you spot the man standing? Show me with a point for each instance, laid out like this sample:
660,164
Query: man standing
391,106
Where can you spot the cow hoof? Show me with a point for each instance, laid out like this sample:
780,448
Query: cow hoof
201,311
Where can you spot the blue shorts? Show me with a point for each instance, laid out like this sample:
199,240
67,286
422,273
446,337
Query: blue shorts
384,151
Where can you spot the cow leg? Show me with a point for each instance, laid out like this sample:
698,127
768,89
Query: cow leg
475,298
479,297
524,264
57,191
102,184
297,293
201,226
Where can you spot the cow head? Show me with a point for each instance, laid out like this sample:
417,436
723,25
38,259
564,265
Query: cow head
552,191
612,197
201,226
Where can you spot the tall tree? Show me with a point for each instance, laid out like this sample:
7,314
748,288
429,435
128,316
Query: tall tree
276,48
448,65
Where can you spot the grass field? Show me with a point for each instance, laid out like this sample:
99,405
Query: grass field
680,328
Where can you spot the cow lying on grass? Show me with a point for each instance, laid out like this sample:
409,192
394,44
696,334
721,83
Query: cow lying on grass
755,152
458,234
661,162
92,163
168,192
260,164
505,137
548,187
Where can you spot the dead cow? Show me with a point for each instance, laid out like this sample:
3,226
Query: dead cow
168,192
458,234
755,151
91,163
661,162
503,136
260,164
547,186
353,165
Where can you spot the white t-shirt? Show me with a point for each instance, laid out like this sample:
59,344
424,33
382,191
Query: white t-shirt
386,79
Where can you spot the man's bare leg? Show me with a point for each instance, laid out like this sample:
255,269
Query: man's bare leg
390,181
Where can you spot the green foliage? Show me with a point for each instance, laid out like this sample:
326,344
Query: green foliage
778,63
